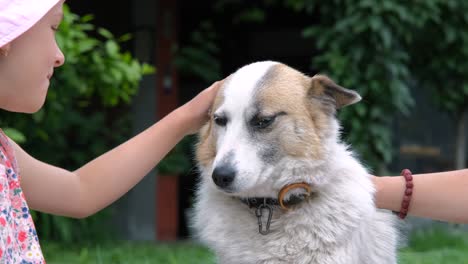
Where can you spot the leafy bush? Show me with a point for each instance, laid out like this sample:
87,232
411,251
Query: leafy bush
442,66
85,114
361,45
382,49
178,160
199,57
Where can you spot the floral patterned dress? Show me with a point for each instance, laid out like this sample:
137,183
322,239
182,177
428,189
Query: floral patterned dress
19,243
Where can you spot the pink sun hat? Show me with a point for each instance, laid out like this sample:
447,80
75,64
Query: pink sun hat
17,16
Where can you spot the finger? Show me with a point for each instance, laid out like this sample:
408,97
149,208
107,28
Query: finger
212,91
215,85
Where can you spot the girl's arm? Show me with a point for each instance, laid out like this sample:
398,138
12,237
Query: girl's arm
103,180
441,196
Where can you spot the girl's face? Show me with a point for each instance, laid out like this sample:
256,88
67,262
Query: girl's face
26,70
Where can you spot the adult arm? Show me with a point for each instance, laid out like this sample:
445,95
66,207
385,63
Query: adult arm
440,196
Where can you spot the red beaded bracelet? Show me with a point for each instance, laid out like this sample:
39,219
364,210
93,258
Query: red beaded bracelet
408,193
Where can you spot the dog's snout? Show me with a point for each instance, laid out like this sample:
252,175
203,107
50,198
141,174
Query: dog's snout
224,175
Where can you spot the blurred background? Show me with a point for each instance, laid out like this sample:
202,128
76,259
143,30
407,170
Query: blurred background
129,63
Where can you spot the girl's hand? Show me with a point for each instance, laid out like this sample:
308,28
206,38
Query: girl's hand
196,111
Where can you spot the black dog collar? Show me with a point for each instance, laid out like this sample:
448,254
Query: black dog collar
263,203
266,203
255,202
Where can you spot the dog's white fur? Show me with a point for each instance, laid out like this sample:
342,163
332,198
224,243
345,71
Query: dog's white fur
338,224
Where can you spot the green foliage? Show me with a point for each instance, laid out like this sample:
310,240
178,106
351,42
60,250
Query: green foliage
85,113
199,57
363,46
249,12
442,65
178,160
103,55
381,49
14,134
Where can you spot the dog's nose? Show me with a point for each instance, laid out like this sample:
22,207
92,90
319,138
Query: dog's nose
223,175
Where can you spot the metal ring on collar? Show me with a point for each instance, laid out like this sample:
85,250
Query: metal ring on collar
289,187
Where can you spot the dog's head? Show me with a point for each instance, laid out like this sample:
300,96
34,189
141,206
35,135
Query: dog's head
269,125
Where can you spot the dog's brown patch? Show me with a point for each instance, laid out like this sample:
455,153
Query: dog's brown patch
286,90
308,103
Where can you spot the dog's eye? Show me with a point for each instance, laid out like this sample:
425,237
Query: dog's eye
219,120
262,122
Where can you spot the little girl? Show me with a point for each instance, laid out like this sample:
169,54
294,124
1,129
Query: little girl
28,56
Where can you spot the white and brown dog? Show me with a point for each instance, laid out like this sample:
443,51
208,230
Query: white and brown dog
278,185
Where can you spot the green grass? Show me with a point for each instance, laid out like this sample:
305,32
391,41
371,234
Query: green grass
437,256
436,246
128,253
429,247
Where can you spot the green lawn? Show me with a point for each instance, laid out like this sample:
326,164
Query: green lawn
437,256
432,247
436,246
128,253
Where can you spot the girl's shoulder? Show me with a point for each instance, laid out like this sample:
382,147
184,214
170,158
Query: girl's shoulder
18,237
7,150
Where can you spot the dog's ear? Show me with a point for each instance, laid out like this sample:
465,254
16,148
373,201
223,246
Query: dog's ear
331,94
